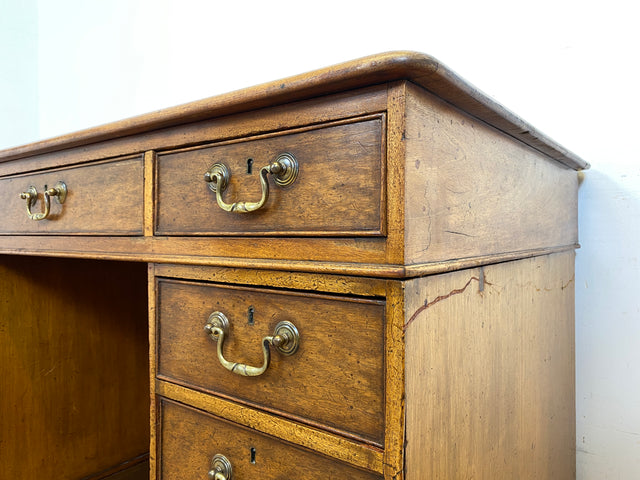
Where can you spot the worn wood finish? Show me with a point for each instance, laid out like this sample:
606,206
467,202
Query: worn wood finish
422,69
301,254
153,355
189,439
103,198
319,440
415,154
473,191
341,284
73,369
490,372
425,254
134,469
323,109
339,189
132,249
335,378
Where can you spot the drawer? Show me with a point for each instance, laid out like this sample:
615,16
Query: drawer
334,379
189,439
338,190
104,198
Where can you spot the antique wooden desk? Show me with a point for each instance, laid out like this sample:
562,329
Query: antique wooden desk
365,272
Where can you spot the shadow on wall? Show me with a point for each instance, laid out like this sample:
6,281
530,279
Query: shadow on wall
608,326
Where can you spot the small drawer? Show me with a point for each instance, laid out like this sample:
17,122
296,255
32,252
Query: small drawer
338,188
104,198
334,379
190,439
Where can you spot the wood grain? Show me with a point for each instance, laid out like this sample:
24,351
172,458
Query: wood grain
104,198
490,372
73,366
335,378
473,191
325,443
425,253
323,109
376,69
341,284
338,190
191,438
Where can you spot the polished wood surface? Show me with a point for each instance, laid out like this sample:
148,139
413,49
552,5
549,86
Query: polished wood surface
335,378
421,69
190,438
102,198
339,189
425,254
412,219
73,368
320,440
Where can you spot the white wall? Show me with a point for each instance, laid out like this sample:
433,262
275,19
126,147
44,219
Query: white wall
18,71
568,67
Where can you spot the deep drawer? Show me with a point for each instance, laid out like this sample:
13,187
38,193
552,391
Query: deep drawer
103,198
189,439
335,378
338,189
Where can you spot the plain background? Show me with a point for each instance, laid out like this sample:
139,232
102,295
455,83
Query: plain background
568,67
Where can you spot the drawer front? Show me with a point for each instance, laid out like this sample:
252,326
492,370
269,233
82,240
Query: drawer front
103,198
189,439
334,379
338,189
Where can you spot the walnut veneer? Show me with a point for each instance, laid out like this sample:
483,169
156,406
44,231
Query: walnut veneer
424,253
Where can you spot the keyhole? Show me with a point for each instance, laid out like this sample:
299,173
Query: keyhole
249,165
250,315
253,455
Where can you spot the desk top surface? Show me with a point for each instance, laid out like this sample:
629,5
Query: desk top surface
418,68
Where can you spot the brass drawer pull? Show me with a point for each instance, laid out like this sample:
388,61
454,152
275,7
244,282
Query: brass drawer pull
284,170
220,468
285,339
31,196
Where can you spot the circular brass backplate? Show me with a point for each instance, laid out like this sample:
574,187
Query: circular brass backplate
290,170
33,195
220,464
288,330
218,320
221,171
61,188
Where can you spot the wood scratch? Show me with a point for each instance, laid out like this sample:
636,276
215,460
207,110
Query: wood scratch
459,233
44,374
569,282
440,298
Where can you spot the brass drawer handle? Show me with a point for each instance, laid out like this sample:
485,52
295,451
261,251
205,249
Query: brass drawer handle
285,339
220,468
31,196
284,170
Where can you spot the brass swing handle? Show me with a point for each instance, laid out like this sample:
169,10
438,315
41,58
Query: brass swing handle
59,191
220,468
285,339
284,170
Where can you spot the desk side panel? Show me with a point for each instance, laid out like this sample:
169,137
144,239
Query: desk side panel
474,191
490,389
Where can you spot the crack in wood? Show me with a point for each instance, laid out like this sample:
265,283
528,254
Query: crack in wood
440,298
